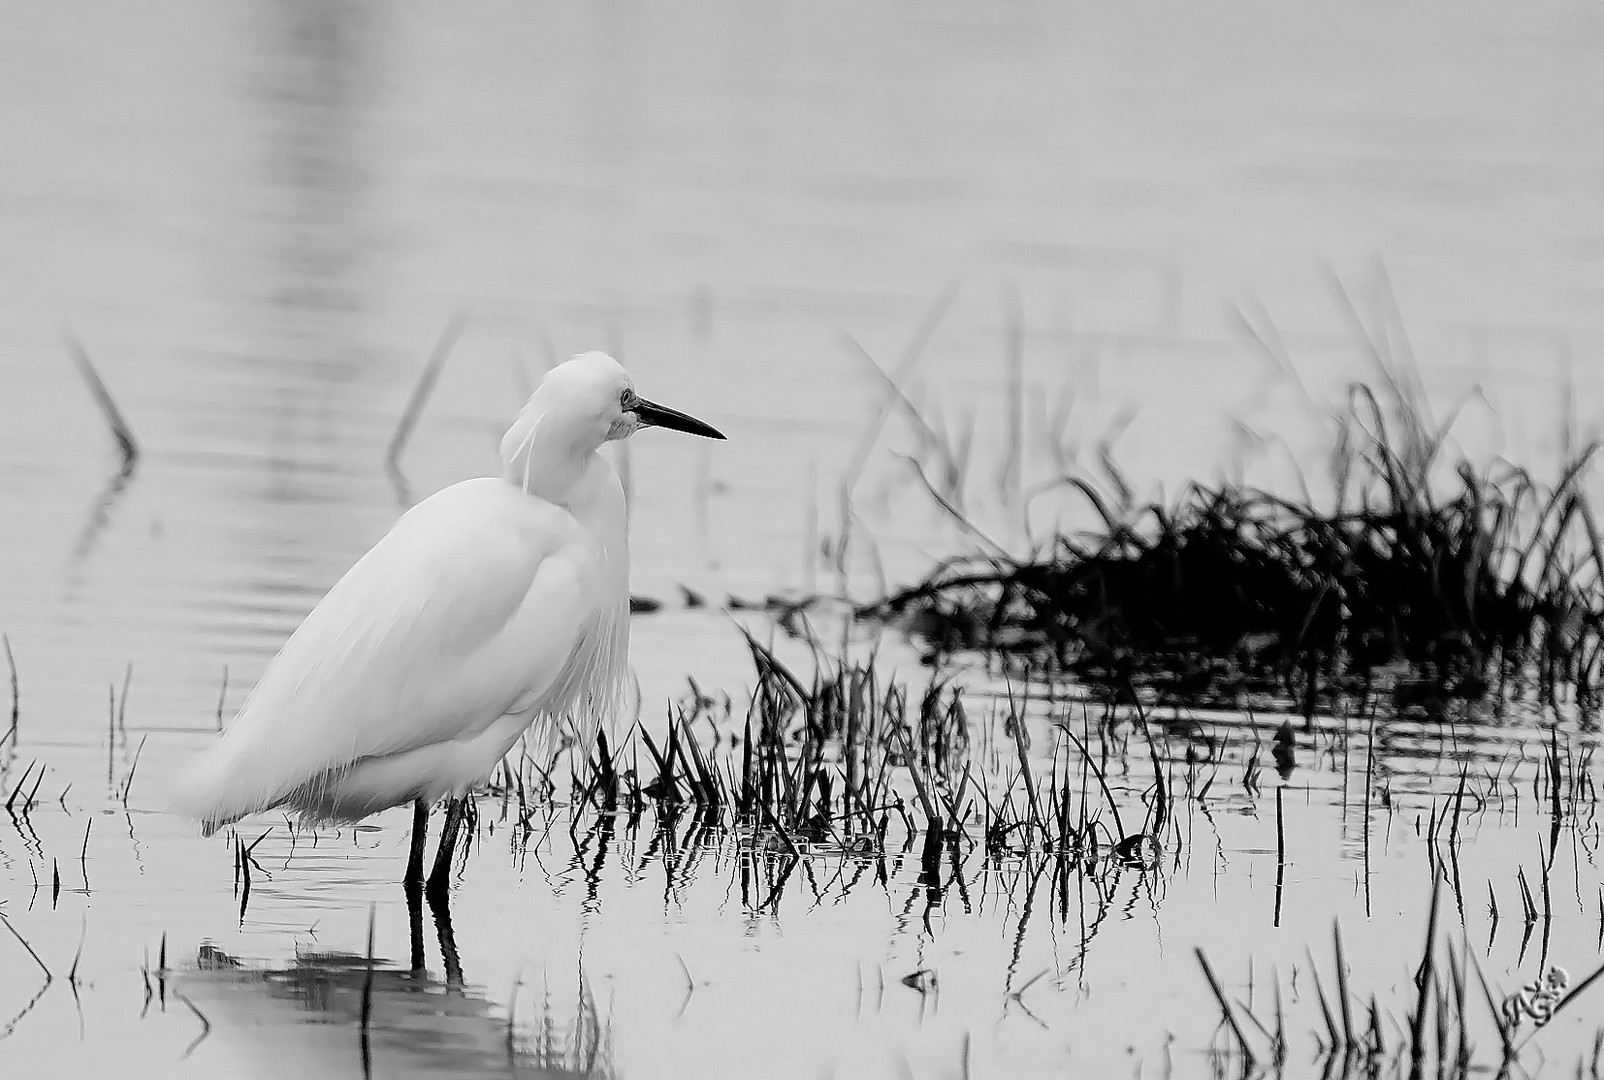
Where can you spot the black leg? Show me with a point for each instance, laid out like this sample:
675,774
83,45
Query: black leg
413,882
440,877
420,838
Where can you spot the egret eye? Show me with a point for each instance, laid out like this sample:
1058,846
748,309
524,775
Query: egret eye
626,399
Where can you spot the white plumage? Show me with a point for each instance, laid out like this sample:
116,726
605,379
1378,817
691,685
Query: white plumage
494,607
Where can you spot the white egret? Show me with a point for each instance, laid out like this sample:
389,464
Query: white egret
494,607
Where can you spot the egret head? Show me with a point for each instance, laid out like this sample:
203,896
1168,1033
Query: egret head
593,392
582,403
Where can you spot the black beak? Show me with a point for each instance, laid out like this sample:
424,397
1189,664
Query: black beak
654,415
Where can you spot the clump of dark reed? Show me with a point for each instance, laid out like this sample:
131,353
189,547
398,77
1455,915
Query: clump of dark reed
812,762
1423,576
838,758
844,766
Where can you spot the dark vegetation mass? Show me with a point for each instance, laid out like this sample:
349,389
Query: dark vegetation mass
1419,576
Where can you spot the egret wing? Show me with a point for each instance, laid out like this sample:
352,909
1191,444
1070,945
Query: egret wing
471,603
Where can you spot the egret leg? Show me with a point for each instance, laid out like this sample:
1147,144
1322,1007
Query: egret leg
420,837
440,876
413,882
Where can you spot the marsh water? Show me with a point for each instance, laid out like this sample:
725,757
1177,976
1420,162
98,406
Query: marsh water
258,219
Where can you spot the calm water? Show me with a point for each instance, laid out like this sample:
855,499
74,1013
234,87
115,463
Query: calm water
259,217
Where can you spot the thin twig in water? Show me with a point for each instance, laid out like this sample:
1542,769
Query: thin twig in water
1225,1006
1343,999
912,353
108,408
206,1025
443,347
83,931
18,789
16,699
367,993
1097,772
23,942
134,768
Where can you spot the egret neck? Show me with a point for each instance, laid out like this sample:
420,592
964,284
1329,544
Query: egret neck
552,456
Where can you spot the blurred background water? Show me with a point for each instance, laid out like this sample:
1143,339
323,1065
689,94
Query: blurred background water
259,217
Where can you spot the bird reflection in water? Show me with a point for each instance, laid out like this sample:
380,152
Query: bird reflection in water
305,1019
440,910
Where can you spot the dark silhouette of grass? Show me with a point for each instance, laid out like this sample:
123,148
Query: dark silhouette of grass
1422,577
